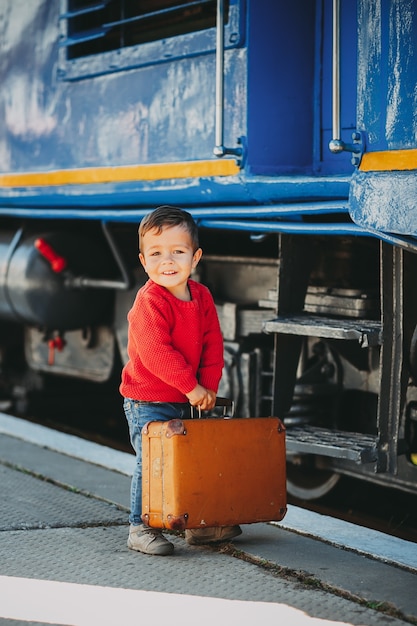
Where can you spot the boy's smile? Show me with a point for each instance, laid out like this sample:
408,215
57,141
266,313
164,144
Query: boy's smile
168,258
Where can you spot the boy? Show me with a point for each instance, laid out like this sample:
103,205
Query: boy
175,350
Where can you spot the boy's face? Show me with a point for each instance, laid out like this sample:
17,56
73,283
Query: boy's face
168,258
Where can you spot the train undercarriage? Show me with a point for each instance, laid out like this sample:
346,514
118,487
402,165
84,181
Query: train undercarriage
315,329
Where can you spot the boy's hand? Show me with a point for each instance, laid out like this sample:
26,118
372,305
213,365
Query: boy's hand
197,396
212,399
202,397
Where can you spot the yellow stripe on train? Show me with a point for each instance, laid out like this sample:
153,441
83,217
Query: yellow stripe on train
127,173
388,161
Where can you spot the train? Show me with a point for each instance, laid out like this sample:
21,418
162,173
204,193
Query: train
288,130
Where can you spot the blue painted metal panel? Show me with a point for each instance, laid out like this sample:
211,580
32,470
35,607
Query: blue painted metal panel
385,201
294,210
157,113
327,161
280,112
387,104
187,192
387,73
162,110
289,86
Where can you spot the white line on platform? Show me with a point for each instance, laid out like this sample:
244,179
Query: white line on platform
51,602
331,530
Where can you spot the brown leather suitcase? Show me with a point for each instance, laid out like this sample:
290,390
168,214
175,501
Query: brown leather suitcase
199,473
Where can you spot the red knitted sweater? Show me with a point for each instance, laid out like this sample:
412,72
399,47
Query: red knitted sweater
172,345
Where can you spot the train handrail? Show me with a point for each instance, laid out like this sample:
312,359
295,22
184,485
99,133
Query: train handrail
336,144
220,149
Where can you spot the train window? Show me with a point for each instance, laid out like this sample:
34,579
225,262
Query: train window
108,35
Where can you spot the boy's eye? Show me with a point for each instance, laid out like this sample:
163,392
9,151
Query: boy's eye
178,251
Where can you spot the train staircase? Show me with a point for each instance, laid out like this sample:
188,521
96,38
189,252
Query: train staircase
293,322
359,448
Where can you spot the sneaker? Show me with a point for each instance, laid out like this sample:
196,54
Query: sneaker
199,536
149,541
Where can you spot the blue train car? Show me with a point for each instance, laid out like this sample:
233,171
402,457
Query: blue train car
288,131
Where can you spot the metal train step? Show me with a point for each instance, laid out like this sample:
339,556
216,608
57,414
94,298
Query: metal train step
356,447
367,332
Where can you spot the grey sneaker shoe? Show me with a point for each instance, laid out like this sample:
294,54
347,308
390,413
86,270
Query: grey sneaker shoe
200,536
149,541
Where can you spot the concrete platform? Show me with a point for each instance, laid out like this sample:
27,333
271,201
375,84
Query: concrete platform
63,555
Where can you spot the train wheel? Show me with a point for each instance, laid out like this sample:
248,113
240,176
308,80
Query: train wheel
306,482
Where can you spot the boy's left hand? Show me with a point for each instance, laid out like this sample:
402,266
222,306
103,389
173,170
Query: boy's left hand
211,400
202,397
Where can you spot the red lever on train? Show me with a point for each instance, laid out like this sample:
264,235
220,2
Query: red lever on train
57,343
57,263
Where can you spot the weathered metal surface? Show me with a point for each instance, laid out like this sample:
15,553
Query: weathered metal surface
343,302
366,332
387,76
355,447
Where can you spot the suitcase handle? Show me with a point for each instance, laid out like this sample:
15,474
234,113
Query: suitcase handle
224,402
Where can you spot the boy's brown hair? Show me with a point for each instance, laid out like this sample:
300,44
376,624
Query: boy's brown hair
166,217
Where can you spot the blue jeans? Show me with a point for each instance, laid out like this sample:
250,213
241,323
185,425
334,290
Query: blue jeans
137,415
